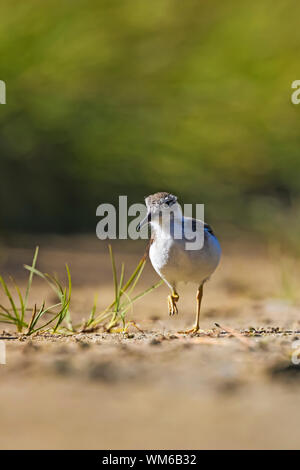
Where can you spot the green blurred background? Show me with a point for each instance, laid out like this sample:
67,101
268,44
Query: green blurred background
108,97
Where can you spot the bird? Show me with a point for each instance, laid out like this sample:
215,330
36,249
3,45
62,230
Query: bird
170,252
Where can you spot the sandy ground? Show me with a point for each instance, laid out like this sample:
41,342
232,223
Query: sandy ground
157,389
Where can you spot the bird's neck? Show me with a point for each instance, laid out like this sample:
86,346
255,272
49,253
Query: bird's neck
166,227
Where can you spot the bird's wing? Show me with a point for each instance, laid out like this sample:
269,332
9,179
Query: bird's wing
206,226
208,229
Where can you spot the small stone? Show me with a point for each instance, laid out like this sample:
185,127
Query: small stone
155,342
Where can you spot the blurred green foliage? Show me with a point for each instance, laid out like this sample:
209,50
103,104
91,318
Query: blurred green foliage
108,97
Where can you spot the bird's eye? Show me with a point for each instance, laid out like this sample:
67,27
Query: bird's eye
169,202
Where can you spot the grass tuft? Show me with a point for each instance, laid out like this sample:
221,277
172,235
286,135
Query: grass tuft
116,312
57,318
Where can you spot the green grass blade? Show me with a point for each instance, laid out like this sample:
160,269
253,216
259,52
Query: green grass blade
49,279
134,274
68,313
115,279
128,283
30,277
22,305
138,275
92,314
7,317
14,308
57,315
120,288
56,284
42,312
5,310
61,316
29,330
142,294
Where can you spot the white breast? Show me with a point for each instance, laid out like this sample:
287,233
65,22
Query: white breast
174,263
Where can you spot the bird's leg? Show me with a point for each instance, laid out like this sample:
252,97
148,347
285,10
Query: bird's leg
172,300
196,328
199,299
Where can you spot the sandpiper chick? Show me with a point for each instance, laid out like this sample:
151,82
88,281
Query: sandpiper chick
170,250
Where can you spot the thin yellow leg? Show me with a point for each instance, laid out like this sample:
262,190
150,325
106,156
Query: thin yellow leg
196,328
199,299
172,299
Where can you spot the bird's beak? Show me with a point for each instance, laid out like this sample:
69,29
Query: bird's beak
145,221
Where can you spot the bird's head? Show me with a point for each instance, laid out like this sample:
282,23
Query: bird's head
160,205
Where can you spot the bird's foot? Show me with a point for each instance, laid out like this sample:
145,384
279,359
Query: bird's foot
172,299
193,331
